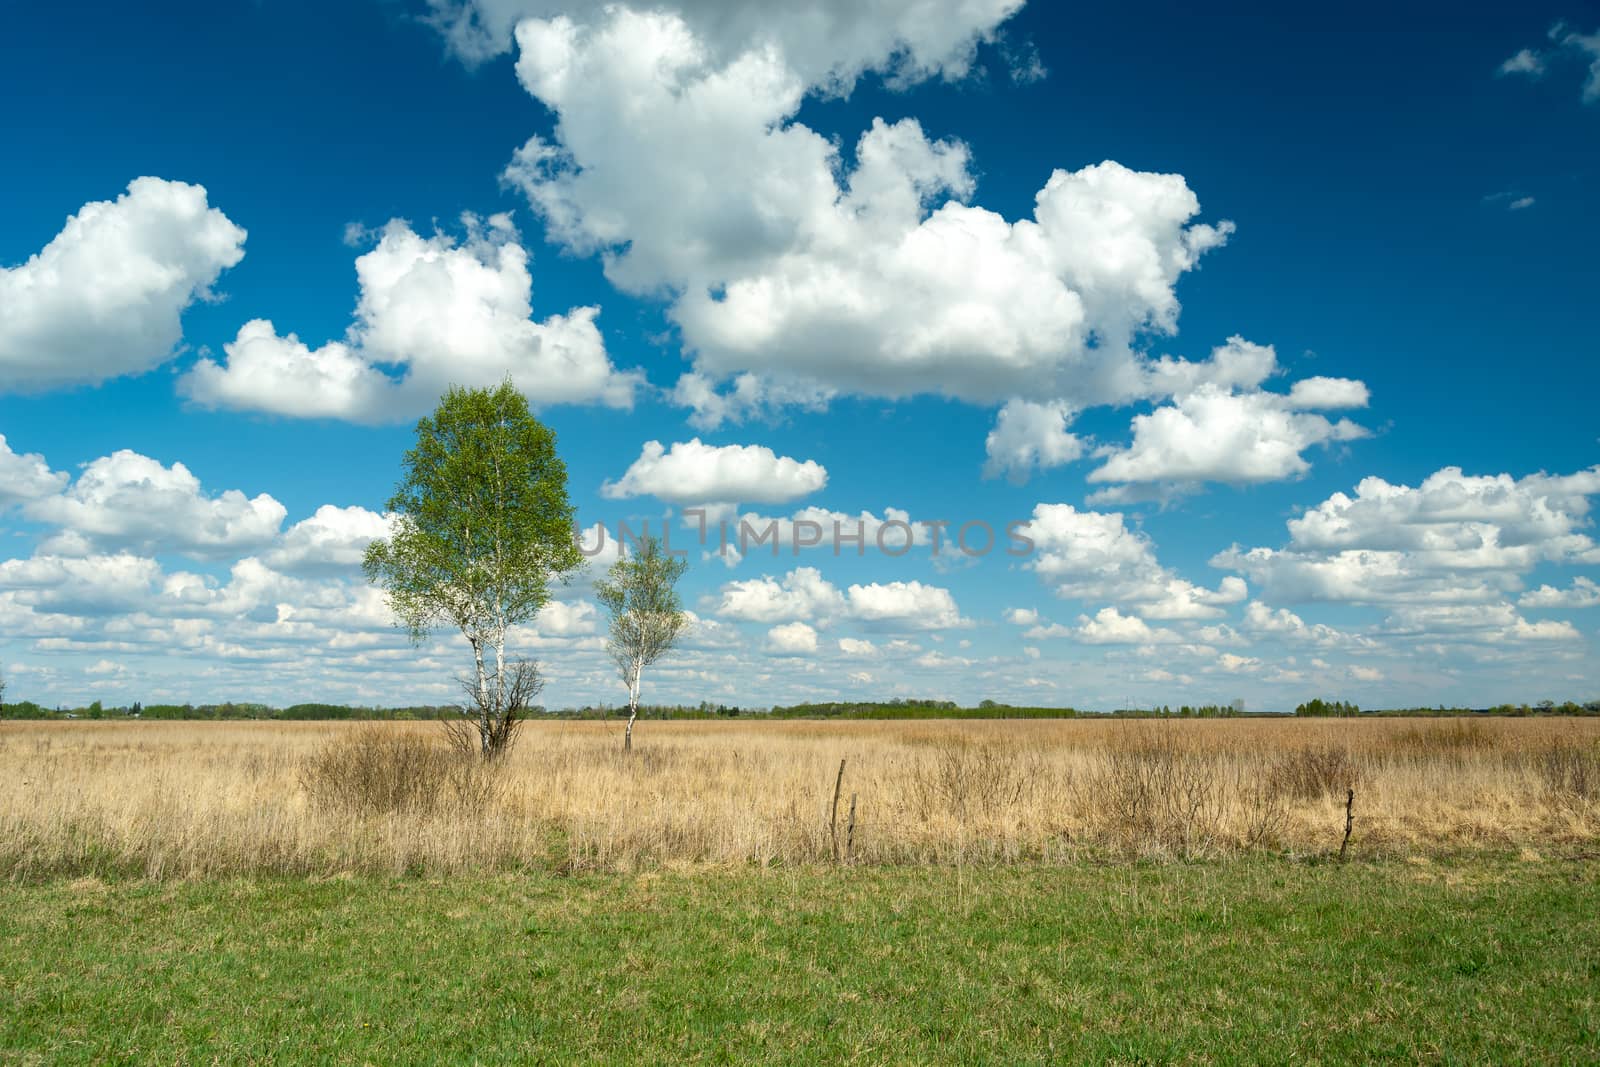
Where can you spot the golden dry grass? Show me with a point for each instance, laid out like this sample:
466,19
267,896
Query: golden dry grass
195,799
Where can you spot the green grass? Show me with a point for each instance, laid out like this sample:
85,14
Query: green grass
1485,960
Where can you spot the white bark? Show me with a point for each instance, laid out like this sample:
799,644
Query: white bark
483,695
637,673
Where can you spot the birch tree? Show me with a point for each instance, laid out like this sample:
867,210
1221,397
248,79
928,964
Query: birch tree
482,526
647,616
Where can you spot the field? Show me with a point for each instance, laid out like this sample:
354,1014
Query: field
1008,892
185,800
1254,960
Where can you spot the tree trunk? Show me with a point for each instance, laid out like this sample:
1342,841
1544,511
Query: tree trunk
483,698
633,708
497,710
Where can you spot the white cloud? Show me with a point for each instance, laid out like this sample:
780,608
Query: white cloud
792,639
745,397
443,313
1046,630
91,585
815,274
1091,555
829,43
330,541
691,472
1022,616
104,298
1521,203
1443,557
816,528
858,648
802,594
126,500
1584,593
1492,623
906,605
1526,61
1282,623
1587,45
1110,627
1213,435
26,476
1028,437
1319,393
1569,44
566,619
1458,519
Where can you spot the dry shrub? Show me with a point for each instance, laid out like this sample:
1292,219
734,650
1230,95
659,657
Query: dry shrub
1154,796
967,779
1571,772
369,771
1313,773
1454,737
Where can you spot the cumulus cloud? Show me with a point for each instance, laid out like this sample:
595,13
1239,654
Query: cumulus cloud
858,648
1458,518
1583,593
1324,394
801,594
804,594
792,639
1091,555
1286,625
441,312
26,476
105,297
332,540
788,263
126,500
1445,554
691,472
1213,435
829,43
1491,623
1236,664
566,619
904,605
90,585
1110,627
1028,437
734,537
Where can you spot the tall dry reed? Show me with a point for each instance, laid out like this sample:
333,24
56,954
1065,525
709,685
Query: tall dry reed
162,799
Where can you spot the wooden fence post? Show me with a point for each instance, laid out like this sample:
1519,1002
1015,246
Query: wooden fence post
833,819
1349,822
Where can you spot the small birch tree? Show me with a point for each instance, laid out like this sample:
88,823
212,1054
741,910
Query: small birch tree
647,616
482,525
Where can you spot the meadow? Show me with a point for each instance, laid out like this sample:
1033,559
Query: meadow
1039,891
1254,960
161,800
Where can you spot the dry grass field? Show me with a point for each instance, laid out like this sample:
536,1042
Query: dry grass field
185,799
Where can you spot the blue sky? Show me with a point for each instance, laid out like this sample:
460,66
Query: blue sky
810,232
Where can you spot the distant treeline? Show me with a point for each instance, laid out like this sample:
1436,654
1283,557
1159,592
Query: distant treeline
889,709
918,709
27,709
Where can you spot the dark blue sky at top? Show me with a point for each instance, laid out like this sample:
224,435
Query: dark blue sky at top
1363,152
